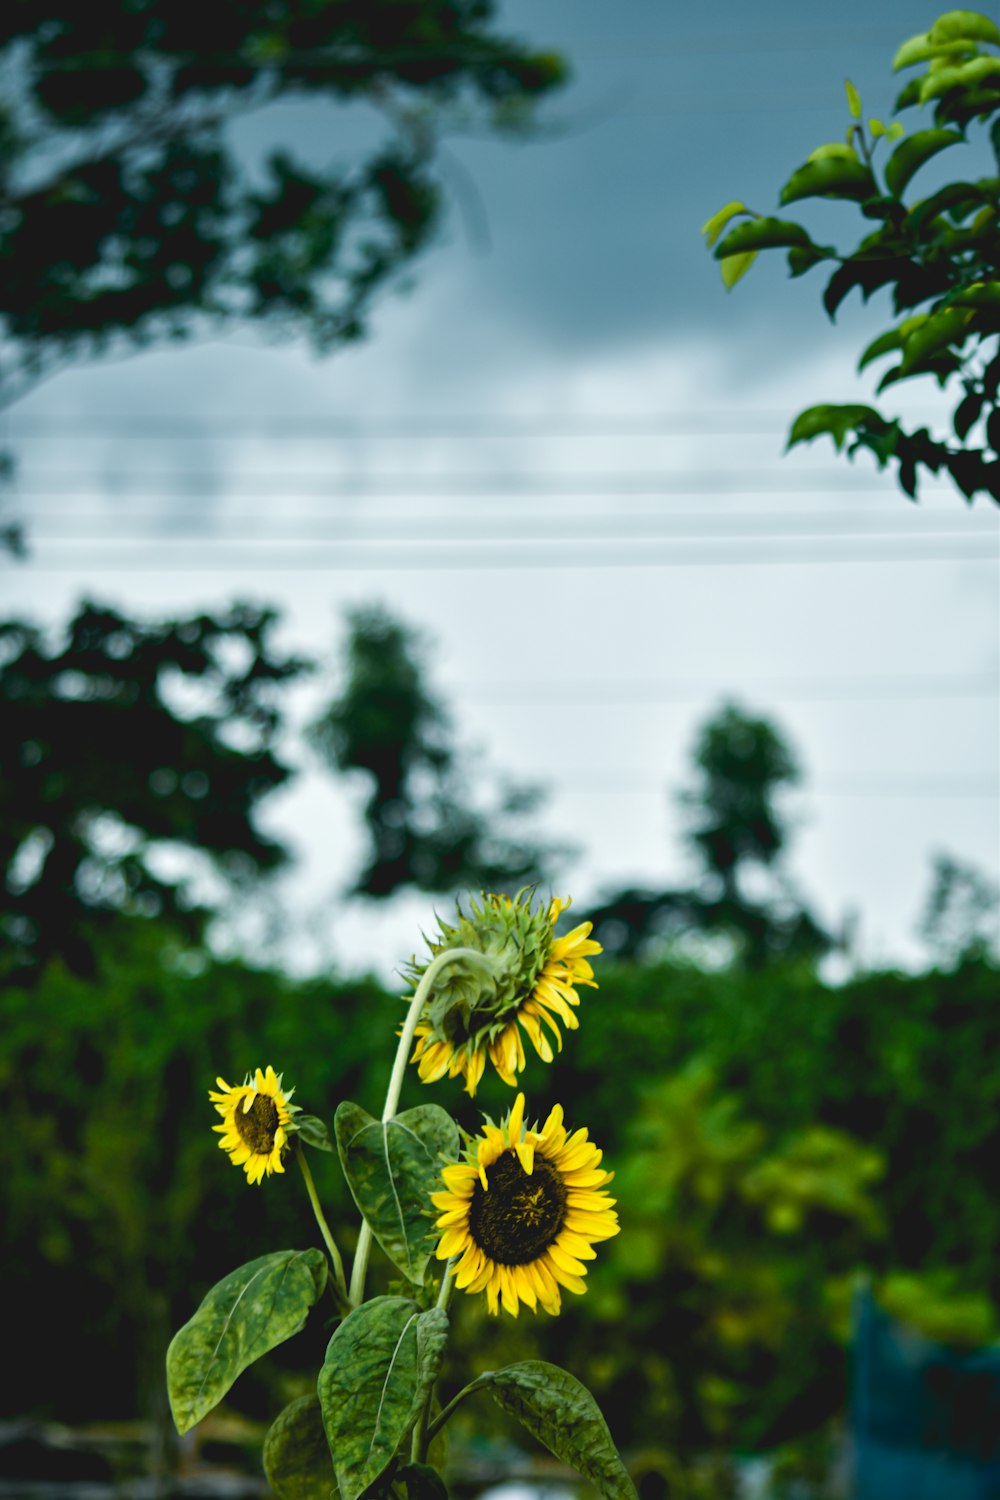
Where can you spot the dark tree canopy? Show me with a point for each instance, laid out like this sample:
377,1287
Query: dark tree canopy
738,833
424,828
127,211
100,763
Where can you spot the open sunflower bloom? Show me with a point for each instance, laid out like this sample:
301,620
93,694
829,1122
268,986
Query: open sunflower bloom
530,985
522,1213
256,1117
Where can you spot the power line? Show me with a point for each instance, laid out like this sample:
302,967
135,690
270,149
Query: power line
201,483
502,557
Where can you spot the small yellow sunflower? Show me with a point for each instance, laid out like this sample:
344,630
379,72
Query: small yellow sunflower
522,1212
256,1122
533,985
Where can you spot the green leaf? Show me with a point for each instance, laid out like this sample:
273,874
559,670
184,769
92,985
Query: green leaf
979,294
967,413
561,1413
834,151
735,266
934,333
830,177
911,154
962,76
379,1368
853,100
392,1169
761,234
921,48
296,1453
838,421
248,1313
313,1132
717,223
876,128
884,344
963,25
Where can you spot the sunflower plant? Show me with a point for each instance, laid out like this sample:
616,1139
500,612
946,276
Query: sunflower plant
512,1214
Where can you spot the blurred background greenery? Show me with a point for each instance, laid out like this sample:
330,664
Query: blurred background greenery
775,1134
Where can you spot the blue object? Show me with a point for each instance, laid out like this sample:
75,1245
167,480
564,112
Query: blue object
925,1416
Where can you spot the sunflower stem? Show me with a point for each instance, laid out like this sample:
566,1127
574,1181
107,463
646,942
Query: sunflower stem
324,1228
359,1270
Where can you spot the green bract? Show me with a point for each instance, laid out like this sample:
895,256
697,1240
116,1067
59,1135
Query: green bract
477,999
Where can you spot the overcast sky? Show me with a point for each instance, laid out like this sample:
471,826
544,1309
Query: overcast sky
561,455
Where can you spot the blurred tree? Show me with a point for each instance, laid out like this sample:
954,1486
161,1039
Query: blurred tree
123,742
738,834
129,211
938,255
961,920
424,827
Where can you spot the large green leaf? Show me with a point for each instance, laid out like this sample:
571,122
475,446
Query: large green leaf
838,421
561,1413
932,334
296,1454
761,234
392,1168
379,1368
912,152
249,1312
830,177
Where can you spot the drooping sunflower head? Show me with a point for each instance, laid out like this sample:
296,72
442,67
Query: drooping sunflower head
256,1122
529,981
522,1212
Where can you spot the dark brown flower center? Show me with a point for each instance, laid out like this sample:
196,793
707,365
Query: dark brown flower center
518,1217
258,1125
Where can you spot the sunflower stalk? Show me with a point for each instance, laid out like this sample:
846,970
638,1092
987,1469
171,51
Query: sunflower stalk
324,1228
359,1270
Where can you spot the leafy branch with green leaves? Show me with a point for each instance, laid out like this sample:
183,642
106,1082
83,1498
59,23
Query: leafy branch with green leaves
939,256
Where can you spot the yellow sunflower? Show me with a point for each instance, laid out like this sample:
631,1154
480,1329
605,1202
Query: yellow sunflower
256,1122
522,1212
533,987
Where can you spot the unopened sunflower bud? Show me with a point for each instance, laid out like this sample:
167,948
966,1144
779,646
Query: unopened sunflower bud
513,972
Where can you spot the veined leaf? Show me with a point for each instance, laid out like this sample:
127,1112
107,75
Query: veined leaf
296,1453
379,1368
831,177
761,234
912,152
314,1132
561,1413
248,1313
392,1168
717,223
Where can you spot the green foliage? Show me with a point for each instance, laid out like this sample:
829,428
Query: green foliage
130,214
937,254
424,828
561,1413
98,767
379,1369
738,834
296,1454
391,1168
250,1312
